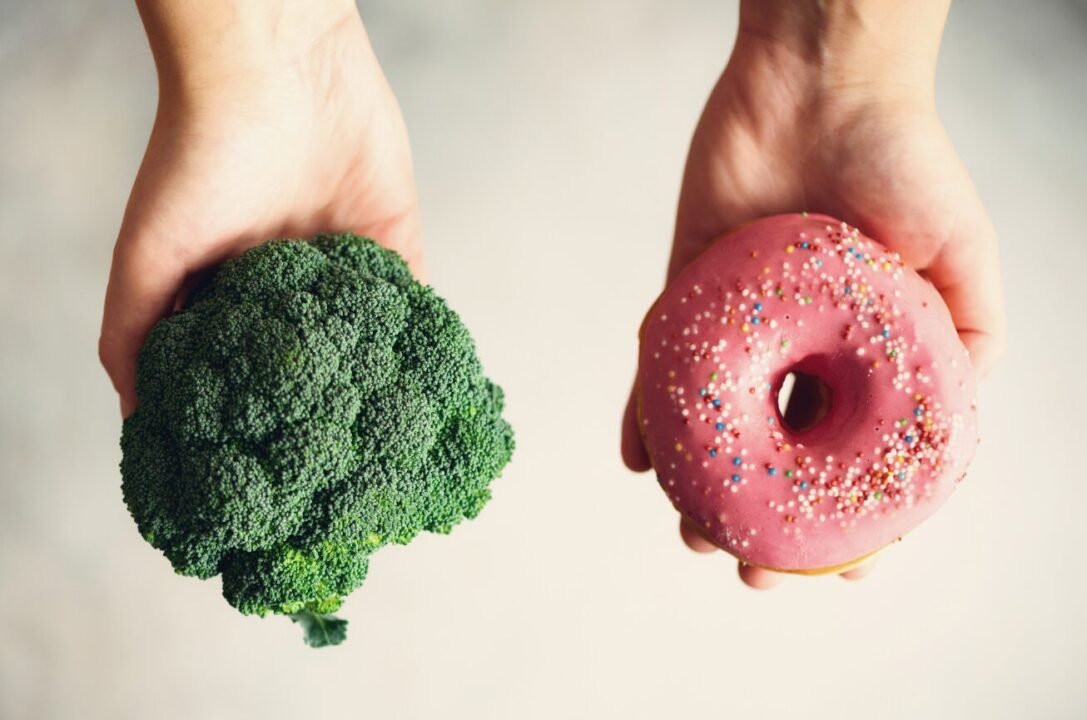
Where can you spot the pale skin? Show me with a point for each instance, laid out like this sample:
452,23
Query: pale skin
830,107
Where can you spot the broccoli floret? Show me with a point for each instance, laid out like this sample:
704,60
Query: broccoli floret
310,403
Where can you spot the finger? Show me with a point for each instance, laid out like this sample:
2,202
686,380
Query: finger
966,272
634,454
693,537
953,244
390,215
859,572
758,578
143,285
401,232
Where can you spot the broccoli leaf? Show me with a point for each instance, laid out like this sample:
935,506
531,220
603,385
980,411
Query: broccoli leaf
321,630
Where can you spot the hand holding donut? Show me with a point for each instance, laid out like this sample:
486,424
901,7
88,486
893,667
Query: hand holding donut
832,110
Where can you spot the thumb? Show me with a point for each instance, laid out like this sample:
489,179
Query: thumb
143,285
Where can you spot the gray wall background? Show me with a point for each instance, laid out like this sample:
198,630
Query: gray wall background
549,140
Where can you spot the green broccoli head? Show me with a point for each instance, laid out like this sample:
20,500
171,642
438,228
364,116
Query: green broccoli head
309,404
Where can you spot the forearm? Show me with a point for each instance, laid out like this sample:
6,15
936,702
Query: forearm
198,42
851,41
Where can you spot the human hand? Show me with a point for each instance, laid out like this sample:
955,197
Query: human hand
274,120
827,110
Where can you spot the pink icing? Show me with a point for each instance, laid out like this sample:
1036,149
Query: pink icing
807,293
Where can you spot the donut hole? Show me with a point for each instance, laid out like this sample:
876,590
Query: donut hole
803,400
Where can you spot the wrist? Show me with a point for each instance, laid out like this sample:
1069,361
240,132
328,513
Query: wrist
872,46
203,46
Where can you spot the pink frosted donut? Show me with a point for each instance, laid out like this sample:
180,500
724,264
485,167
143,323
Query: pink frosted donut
888,422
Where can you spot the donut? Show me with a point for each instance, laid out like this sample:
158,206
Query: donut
881,420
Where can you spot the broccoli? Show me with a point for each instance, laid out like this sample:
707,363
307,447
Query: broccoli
309,404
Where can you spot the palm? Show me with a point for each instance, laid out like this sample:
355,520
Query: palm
887,167
273,163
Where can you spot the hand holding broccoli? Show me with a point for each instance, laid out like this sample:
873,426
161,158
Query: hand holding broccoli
310,402
274,120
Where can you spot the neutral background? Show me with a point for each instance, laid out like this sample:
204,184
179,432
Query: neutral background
549,140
